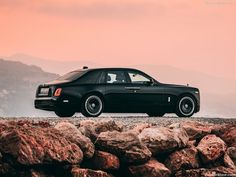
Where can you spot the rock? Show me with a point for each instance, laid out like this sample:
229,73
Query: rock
227,133
232,153
103,161
126,145
79,172
228,161
137,129
195,130
92,129
191,143
211,148
160,140
186,158
72,134
152,168
34,173
35,145
202,172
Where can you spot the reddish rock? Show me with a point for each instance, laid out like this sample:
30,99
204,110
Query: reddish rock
126,145
104,161
227,133
228,162
34,145
195,130
137,129
161,139
186,158
211,148
92,129
192,143
72,134
152,168
202,172
79,172
231,151
34,173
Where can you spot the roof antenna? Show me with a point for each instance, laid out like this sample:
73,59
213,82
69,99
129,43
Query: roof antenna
187,85
85,67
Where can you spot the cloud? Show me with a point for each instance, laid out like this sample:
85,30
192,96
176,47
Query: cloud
88,9
100,10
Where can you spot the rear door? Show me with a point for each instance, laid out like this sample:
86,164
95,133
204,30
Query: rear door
117,96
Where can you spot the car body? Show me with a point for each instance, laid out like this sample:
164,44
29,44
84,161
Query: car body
115,90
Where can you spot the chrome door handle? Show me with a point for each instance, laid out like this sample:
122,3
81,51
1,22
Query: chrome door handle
132,88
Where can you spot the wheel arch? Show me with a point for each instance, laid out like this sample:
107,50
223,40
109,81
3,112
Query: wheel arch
93,93
186,94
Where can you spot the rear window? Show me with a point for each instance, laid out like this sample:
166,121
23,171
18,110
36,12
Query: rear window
91,77
71,76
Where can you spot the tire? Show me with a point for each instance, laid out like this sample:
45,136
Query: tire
92,106
64,112
156,114
185,106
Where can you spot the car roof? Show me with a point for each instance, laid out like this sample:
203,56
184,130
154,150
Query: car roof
108,68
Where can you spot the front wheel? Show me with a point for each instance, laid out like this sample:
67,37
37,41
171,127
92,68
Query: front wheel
92,106
185,106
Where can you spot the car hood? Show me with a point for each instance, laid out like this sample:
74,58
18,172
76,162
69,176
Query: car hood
177,86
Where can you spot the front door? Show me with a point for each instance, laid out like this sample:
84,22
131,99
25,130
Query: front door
147,95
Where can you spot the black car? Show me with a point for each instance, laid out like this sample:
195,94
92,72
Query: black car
115,90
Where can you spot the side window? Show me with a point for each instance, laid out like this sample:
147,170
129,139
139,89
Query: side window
138,78
90,78
114,77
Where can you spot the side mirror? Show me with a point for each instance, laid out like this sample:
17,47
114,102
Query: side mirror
151,82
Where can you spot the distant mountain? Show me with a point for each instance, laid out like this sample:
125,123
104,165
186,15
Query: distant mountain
18,83
60,67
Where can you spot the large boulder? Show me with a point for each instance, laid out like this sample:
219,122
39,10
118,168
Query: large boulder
35,145
227,133
79,172
137,129
92,128
186,158
211,148
195,130
202,172
103,161
152,168
72,134
161,139
126,145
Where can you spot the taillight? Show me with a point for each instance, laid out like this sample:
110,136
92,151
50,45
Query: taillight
58,92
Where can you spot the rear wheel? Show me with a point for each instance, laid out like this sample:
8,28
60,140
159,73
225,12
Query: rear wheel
92,106
185,106
156,114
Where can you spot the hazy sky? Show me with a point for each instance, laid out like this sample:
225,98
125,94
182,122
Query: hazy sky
194,34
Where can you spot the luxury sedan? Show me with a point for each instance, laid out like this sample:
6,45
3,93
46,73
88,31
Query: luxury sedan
115,90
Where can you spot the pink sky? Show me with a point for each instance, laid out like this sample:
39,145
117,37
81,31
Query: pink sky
197,34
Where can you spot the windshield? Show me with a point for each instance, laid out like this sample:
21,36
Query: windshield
71,76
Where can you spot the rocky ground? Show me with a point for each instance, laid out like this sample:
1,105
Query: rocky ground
119,147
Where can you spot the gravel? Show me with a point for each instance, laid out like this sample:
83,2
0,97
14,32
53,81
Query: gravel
128,120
